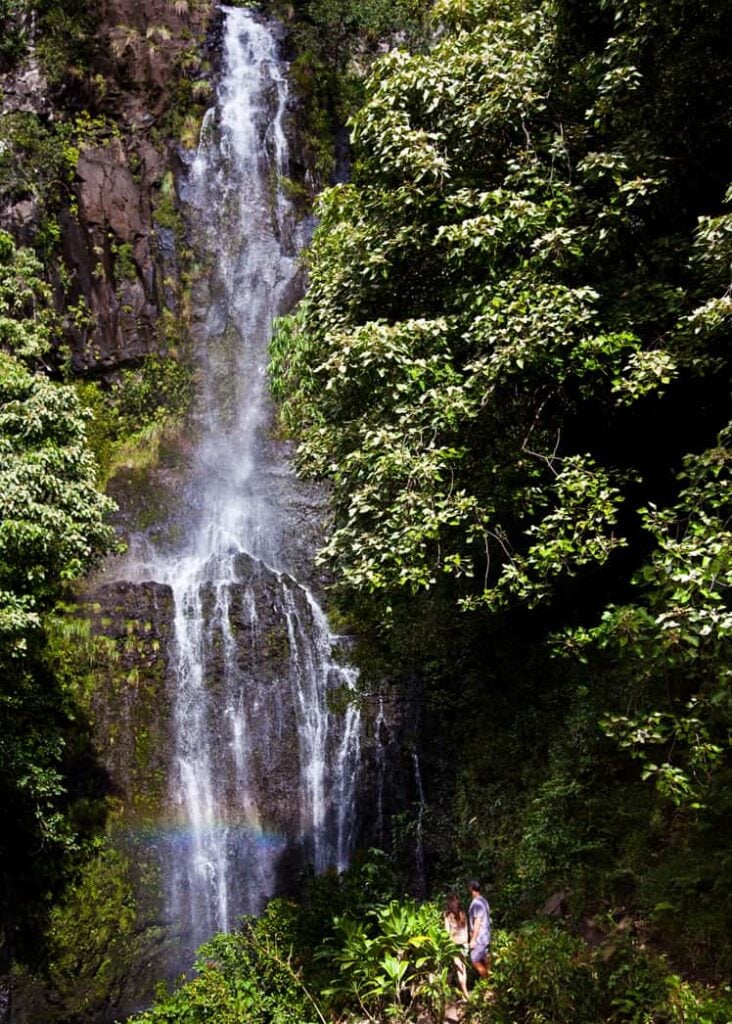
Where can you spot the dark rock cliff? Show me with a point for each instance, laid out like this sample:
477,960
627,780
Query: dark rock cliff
146,83
115,209
128,704
151,55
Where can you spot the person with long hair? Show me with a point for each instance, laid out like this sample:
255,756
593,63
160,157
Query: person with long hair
456,924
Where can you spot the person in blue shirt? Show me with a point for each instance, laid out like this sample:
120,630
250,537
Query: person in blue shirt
479,924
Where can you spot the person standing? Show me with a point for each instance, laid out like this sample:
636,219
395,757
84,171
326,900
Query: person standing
479,923
456,924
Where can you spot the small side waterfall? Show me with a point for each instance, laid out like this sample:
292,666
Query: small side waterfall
419,837
262,768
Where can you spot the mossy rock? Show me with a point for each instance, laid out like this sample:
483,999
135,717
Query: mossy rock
98,937
276,645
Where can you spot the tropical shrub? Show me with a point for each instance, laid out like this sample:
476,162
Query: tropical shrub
473,325
250,975
540,973
391,965
543,975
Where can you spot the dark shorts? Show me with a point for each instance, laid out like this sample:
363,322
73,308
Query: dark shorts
479,954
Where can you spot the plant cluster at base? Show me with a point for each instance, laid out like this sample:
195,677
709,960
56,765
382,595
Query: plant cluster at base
395,962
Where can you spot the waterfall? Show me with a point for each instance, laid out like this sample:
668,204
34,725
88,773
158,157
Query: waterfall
381,769
419,838
262,769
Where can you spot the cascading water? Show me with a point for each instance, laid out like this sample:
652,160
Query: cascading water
262,769
419,844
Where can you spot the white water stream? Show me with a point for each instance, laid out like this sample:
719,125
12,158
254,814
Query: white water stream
262,769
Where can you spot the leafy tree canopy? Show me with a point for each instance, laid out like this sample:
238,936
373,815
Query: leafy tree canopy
52,517
512,368
522,289
52,529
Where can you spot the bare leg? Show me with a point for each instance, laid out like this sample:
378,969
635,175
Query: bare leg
462,976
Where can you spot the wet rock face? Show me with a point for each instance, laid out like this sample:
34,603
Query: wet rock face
116,258
121,261
258,664
25,90
247,657
108,194
129,706
249,644
111,250
144,40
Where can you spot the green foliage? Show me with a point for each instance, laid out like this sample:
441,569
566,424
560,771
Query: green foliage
392,965
541,974
52,530
125,267
31,159
53,525
53,518
189,86
66,39
161,383
683,626
341,24
693,1004
27,320
687,736
63,36
166,211
471,314
392,961
512,368
13,39
135,409
251,975
94,938
38,161
335,42
666,657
